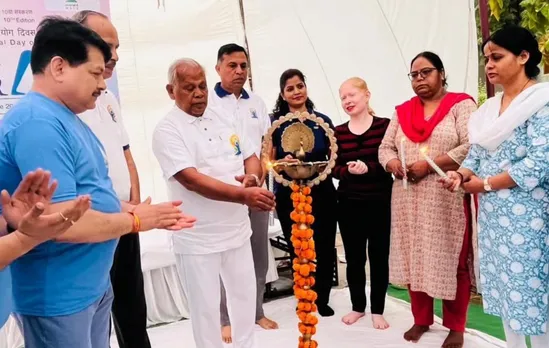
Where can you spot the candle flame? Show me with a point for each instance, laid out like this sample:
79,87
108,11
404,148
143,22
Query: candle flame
424,149
269,165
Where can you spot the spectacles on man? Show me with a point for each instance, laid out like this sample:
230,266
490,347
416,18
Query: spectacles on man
413,75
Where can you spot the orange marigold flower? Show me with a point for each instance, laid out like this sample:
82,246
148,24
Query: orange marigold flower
308,254
304,270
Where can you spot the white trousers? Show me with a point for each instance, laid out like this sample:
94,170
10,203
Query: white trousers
515,340
4,336
201,282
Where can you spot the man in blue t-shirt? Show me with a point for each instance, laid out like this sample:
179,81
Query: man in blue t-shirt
61,289
33,227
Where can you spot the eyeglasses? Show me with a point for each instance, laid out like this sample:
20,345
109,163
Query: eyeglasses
423,73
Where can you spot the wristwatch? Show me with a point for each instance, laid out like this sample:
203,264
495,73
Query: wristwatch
487,186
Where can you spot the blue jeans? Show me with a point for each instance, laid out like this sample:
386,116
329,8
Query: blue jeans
86,329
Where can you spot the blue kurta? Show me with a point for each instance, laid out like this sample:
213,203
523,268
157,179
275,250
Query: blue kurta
514,227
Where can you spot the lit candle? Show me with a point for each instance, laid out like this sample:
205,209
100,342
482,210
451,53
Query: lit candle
432,163
403,161
271,188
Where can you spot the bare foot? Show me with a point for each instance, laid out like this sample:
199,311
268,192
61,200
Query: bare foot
379,322
352,317
226,334
267,324
454,340
415,333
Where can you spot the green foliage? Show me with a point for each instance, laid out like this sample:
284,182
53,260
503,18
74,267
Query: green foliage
508,11
535,17
482,92
531,14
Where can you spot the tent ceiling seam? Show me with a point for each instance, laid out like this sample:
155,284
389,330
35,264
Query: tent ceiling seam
336,101
394,35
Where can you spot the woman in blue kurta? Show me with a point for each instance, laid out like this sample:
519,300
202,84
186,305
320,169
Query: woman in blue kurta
508,164
293,98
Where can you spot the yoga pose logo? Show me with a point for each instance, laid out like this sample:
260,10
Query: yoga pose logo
111,112
235,142
24,62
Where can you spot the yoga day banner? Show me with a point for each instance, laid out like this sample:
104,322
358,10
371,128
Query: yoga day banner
18,22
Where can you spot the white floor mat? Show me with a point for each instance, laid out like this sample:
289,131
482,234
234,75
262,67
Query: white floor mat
331,332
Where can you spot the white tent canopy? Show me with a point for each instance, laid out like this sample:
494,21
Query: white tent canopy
328,40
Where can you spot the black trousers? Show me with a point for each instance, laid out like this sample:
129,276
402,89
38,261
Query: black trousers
129,308
366,224
325,225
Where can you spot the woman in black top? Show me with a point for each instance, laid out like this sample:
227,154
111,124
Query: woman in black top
364,201
293,98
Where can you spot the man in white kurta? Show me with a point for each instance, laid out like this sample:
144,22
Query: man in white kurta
249,113
215,173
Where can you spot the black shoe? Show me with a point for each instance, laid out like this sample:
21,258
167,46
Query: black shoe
325,310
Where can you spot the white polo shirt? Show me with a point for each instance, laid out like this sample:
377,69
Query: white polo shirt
211,145
249,113
106,123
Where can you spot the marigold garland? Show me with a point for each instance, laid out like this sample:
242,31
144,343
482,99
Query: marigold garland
304,265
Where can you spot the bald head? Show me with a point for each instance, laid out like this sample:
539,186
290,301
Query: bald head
180,67
187,86
101,24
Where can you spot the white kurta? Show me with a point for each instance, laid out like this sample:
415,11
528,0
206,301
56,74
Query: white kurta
218,246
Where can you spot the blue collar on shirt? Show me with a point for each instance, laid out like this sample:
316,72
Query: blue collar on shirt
221,92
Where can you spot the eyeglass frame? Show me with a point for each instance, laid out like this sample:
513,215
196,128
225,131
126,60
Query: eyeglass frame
424,73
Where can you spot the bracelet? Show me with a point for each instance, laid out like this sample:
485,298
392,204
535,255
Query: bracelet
461,176
136,226
257,181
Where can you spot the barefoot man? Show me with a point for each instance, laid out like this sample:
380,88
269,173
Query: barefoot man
205,162
250,114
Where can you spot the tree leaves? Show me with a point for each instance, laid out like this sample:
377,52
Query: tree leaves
531,14
496,7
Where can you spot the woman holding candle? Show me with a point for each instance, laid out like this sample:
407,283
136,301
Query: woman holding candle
364,201
430,234
508,163
293,98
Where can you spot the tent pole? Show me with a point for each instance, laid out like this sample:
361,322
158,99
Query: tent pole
485,28
243,18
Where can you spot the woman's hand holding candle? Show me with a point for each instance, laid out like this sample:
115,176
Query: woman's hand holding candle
452,182
418,170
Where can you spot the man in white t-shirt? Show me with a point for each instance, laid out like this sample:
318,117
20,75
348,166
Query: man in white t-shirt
251,118
129,307
215,172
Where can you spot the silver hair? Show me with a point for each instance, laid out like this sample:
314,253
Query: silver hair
186,63
82,16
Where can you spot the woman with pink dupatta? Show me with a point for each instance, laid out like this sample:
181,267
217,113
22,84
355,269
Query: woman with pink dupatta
430,233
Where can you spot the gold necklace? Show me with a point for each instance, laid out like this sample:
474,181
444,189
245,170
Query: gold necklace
503,96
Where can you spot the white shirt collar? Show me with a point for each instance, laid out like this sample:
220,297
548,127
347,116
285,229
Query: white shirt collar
190,118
